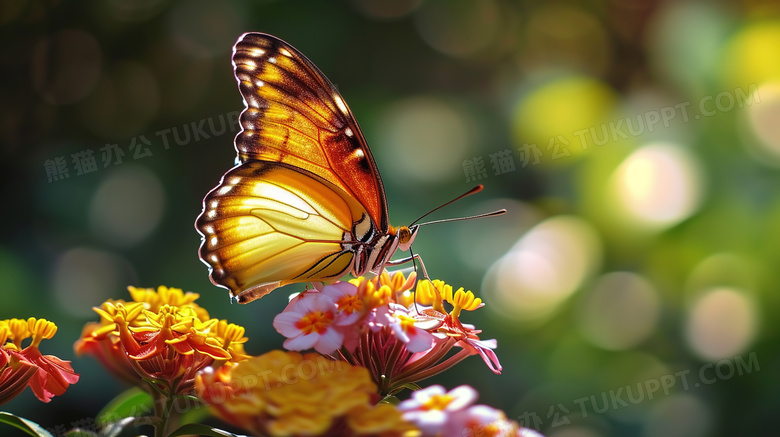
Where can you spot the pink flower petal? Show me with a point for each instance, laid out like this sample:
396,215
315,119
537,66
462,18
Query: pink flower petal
314,302
329,342
527,432
284,324
301,342
463,395
420,397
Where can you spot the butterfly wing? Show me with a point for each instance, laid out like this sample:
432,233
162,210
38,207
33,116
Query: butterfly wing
268,224
295,115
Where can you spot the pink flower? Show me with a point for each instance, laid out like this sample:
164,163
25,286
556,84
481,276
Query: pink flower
349,304
401,336
436,412
404,327
467,337
485,350
311,323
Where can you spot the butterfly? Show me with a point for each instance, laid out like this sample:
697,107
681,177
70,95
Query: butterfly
305,201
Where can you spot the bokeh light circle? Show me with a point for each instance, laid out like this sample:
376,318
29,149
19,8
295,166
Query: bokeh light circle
458,28
684,41
563,111
127,206
84,277
658,185
479,248
543,269
763,115
680,415
722,269
619,311
751,56
721,323
580,40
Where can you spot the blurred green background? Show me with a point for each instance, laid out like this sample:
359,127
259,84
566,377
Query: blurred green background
631,287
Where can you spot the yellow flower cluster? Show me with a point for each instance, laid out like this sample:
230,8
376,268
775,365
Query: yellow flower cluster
398,288
289,394
161,335
436,292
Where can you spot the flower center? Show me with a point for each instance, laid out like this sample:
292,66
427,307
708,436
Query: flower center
438,402
350,304
315,322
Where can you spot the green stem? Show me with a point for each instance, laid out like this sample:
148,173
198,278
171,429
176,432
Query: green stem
163,407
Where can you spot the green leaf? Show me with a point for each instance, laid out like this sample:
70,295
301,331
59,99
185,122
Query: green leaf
131,403
399,388
392,400
202,430
25,425
197,412
113,429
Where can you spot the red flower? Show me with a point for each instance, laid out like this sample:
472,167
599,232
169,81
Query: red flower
47,375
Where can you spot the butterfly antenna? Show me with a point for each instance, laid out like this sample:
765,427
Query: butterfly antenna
471,217
474,190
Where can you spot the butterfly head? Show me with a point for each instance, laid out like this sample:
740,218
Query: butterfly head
406,236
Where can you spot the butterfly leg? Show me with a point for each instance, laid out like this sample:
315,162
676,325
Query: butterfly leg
414,258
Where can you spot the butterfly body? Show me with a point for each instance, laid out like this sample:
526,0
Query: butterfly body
305,202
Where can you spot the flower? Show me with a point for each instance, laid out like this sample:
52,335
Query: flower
437,412
289,394
47,375
310,323
399,336
162,337
451,326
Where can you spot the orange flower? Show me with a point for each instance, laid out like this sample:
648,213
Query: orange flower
289,394
108,351
47,375
162,337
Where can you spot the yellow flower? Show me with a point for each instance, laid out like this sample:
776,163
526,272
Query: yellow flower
381,420
174,297
437,292
289,394
161,336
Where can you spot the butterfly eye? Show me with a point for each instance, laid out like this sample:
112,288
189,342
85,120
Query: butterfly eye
406,237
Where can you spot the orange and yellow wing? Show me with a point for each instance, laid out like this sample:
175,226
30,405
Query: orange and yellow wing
269,224
295,115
